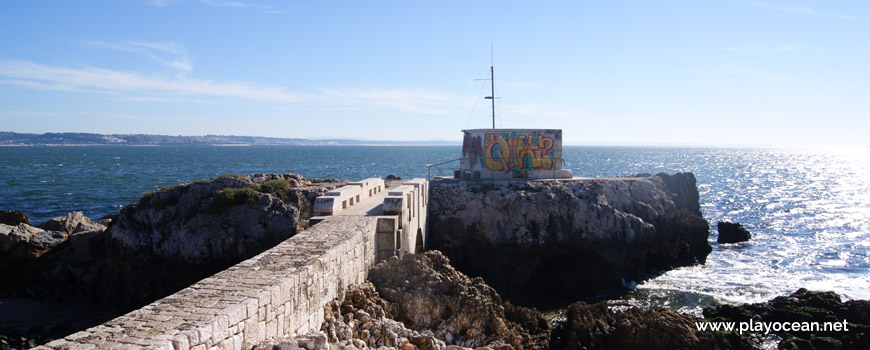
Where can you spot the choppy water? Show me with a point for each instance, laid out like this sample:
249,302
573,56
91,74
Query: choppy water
808,210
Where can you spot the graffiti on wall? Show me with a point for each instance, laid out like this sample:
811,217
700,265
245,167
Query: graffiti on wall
472,148
517,152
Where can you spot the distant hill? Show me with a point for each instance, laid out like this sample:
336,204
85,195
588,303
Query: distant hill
74,138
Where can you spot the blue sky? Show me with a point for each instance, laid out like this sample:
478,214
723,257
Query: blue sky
729,72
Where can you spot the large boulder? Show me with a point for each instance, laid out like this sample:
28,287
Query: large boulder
557,240
732,232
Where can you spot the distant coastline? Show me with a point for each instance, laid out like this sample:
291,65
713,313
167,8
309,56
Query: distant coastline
91,139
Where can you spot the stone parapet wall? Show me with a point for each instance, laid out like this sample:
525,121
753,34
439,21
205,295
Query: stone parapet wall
280,292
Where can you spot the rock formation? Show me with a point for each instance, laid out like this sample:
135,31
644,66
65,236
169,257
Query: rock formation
421,302
596,326
558,240
732,233
170,239
805,306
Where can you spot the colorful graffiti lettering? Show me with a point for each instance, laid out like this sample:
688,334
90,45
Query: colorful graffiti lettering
517,152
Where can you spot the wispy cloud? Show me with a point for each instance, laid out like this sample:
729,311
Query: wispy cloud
240,4
802,10
765,75
19,113
741,49
169,54
158,3
416,101
97,80
536,110
782,48
138,87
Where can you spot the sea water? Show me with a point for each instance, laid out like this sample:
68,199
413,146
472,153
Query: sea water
808,209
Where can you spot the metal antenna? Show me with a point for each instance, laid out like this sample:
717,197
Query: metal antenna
492,79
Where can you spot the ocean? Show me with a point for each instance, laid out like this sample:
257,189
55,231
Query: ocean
808,209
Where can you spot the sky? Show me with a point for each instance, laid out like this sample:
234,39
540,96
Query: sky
664,72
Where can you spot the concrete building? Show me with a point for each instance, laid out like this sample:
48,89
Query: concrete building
512,153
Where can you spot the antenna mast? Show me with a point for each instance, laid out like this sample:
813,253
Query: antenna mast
492,79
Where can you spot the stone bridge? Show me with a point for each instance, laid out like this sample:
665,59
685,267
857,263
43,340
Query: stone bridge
280,292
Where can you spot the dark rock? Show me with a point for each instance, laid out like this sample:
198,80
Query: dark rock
806,306
556,241
13,217
392,177
595,326
732,232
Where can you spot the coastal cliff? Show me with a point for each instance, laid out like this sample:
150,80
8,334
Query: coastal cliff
557,240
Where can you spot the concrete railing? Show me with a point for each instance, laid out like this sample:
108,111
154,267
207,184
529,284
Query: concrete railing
338,199
370,186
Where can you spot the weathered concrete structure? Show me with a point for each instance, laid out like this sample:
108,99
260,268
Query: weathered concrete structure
404,231
282,291
512,153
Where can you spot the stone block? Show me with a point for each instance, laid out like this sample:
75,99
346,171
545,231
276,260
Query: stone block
251,330
271,329
220,329
180,342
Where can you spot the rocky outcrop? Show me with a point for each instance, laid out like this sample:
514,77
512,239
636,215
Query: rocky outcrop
802,308
421,302
432,295
170,239
13,217
596,326
557,240
732,233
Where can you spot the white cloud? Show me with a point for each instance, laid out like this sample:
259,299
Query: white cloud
158,3
240,4
741,49
138,87
802,10
757,73
536,110
417,101
177,55
91,79
782,48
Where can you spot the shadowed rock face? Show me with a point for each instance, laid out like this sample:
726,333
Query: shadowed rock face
561,240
